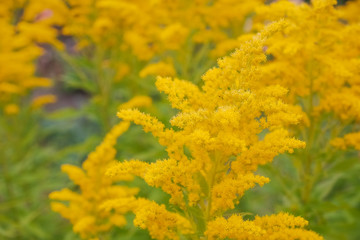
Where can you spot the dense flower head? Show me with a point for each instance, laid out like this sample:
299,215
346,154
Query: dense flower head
91,211
278,226
156,25
316,57
299,73
21,31
222,133
153,31
350,11
33,20
161,223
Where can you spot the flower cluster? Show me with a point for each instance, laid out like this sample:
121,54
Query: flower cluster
91,210
223,132
157,30
23,25
316,57
292,80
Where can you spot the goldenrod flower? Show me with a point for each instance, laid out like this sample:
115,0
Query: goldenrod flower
11,109
315,57
138,101
100,204
214,149
158,69
155,30
43,100
19,45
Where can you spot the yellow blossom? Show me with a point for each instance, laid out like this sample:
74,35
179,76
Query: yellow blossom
158,69
349,140
100,204
19,46
214,148
278,226
138,101
154,31
11,109
43,100
315,57
122,70
350,11
161,223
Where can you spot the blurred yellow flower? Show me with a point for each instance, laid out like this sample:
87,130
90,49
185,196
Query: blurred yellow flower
214,150
101,203
19,47
11,109
135,102
40,101
158,69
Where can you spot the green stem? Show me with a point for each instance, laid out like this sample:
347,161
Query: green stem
211,178
308,156
104,86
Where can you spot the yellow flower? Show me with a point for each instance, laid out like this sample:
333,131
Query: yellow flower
19,47
280,226
173,36
350,11
122,70
317,58
349,140
138,101
214,149
156,30
158,69
100,204
49,12
11,109
43,100
161,223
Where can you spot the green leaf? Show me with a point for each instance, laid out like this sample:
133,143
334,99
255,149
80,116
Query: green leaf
203,183
65,113
344,165
324,188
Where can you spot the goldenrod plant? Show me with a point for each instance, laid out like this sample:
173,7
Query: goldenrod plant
149,29
120,42
222,133
349,11
289,93
316,57
87,210
24,156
